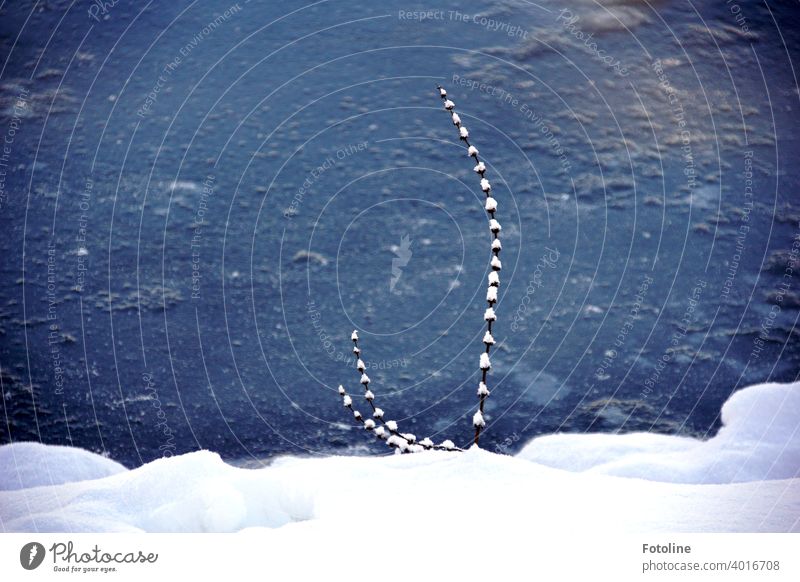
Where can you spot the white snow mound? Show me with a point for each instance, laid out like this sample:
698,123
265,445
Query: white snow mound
759,440
436,490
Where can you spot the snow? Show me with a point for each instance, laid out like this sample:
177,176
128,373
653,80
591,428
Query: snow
369,395
487,337
477,420
354,336
745,478
346,400
463,132
497,245
480,168
364,379
485,361
449,104
342,391
494,226
456,118
26,465
496,263
485,185
378,413
494,279
360,366
483,390
759,439
491,204
489,315
369,424
391,425
472,151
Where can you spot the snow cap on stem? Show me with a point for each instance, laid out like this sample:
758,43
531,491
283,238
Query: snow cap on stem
485,362
354,336
478,421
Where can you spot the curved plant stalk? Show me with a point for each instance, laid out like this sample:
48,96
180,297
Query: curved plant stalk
489,315
388,431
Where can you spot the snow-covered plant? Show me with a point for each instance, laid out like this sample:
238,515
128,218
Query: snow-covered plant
388,430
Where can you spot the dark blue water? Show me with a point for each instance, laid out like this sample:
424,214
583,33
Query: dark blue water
200,202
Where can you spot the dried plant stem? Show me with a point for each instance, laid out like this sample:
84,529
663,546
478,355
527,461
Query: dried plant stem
478,420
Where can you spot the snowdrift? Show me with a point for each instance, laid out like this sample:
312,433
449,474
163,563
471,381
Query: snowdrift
746,478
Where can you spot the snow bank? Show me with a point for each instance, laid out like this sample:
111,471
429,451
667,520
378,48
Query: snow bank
435,491
759,440
25,465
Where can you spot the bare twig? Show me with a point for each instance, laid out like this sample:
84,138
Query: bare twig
489,316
